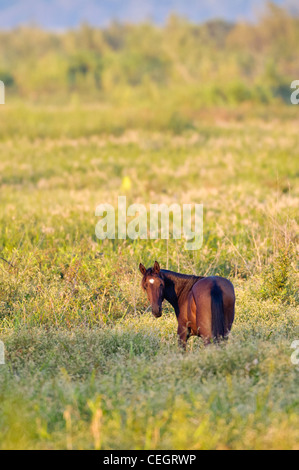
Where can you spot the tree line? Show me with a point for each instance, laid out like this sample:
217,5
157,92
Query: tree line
214,62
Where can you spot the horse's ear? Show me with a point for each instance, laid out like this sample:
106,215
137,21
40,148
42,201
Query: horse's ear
156,267
142,269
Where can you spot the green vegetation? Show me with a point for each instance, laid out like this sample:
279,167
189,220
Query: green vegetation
86,365
214,63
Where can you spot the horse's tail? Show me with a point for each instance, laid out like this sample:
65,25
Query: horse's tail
218,322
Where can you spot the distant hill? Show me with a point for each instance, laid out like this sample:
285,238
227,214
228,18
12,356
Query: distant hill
61,14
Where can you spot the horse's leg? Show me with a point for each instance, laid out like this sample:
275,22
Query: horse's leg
201,312
183,335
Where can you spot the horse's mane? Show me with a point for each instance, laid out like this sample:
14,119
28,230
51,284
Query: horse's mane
186,280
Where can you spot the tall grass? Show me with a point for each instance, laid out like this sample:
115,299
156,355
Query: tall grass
86,365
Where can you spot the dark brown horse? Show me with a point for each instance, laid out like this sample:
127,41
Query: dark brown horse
204,306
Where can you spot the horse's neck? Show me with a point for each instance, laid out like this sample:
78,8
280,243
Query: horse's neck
175,288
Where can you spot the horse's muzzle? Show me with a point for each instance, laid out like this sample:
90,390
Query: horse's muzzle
157,313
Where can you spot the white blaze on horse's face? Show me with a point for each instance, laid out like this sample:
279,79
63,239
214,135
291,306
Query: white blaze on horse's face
152,281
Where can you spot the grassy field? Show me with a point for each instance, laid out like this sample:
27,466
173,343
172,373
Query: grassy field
86,365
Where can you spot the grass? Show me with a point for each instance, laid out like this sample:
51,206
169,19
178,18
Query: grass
86,366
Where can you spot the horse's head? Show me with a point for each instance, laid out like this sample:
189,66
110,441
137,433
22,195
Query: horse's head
153,284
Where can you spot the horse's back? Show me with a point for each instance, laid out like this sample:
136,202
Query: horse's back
204,286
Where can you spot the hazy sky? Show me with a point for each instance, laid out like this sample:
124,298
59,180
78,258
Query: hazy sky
60,14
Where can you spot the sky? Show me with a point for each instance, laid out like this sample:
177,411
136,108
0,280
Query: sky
62,14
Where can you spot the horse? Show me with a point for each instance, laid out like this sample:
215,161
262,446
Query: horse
204,306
